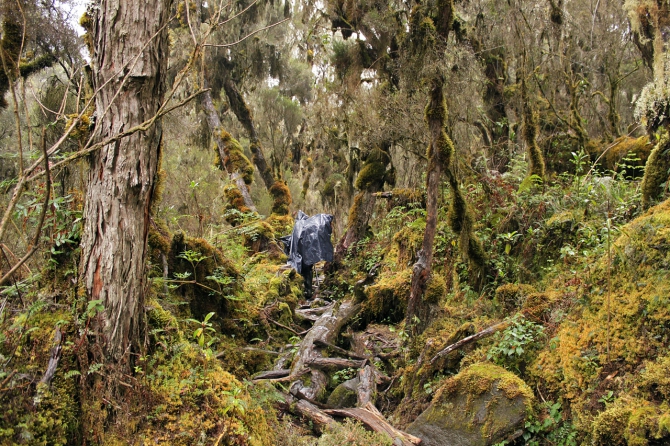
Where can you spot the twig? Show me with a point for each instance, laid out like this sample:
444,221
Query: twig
284,326
38,232
475,337
227,45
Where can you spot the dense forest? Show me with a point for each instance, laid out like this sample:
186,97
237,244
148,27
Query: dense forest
498,172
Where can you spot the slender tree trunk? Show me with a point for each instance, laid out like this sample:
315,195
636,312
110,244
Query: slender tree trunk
129,65
215,128
439,156
243,114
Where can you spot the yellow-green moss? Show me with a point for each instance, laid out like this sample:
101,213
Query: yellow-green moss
626,325
234,200
656,172
436,288
621,148
387,299
282,198
479,378
281,224
372,173
236,160
195,400
630,421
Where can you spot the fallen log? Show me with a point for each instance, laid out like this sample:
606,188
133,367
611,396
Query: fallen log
470,339
319,418
373,419
334,363
325,329
367,386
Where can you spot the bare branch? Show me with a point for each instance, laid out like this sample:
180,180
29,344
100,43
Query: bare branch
227,45
43,214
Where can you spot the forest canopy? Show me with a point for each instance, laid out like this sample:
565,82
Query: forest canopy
498,172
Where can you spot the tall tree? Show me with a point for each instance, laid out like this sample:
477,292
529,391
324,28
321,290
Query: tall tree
129,61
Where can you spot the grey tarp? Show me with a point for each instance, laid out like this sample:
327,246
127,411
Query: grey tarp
310,241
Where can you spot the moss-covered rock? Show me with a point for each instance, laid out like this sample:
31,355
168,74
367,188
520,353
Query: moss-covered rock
480,406
625,154
344,395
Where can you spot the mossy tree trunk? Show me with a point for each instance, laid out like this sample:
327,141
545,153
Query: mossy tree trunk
130,34
440,152
223,148
370,180
530,131
276,187
650,20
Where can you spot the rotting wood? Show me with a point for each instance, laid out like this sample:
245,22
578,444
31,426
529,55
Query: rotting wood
470,339
341,351
326,329
53,360
373,419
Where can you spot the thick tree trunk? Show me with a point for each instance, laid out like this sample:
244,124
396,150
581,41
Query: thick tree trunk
439,156
130,57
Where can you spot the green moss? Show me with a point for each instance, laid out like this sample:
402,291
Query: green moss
194,399
620,148
630,421
479,378
235,160
282,198
387,299
234,201
530,131
625,327
371,174
655,180
436,288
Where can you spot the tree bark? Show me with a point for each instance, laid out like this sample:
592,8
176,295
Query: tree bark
129,65
439,156
325,329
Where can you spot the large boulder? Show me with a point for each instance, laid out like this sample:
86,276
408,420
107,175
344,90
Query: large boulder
482,405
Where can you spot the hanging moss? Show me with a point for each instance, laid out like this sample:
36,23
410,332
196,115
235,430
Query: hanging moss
282,198
657,172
